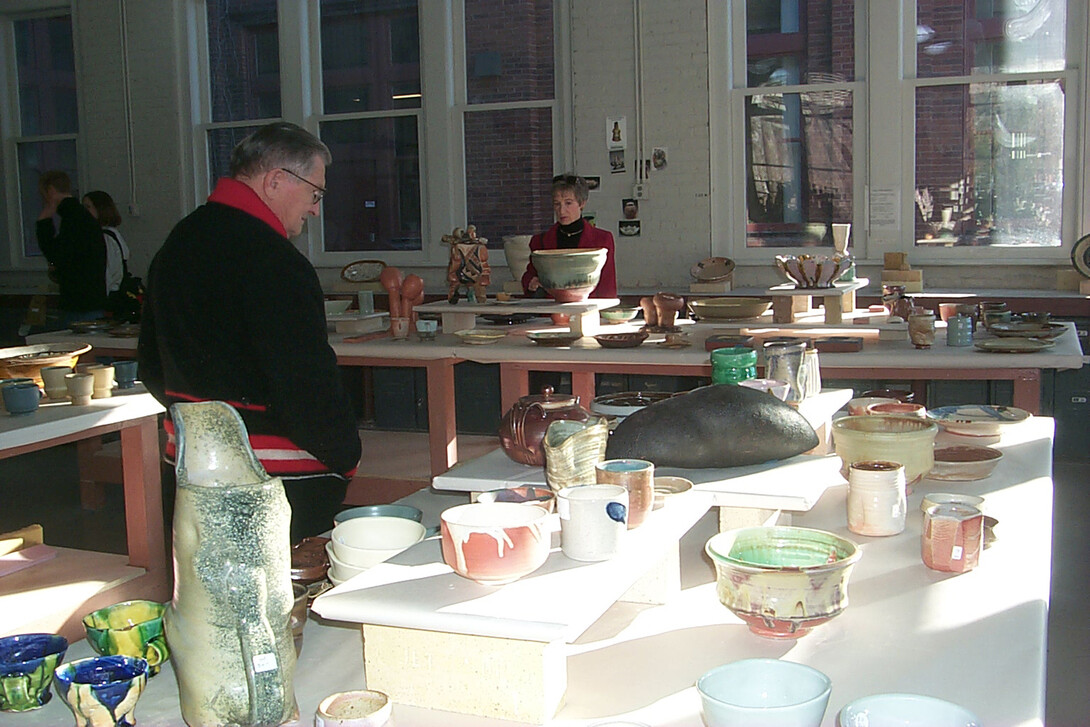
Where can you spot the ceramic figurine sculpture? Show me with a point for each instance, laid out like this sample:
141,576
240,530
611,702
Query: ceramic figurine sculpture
468,267
228,625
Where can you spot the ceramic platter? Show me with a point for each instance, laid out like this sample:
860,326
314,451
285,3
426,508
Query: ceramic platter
478,336
553,338
712,269
621,340
1080,255
977,420
1012,345
964,463
1027,329
728,308
363,271
90,326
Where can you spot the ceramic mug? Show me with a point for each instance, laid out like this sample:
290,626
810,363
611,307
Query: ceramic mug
593,521
80,387
635,475
21,397
53,379
959,330
125,373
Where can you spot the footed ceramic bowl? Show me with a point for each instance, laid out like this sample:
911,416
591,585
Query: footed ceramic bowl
27,662
905,710
782,581
569,275
336,307
767,692
131,628
813,271
495,543
908,440
366,541
618,314
102,691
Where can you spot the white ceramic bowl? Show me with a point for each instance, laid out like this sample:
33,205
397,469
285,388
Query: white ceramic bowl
363,708
777,387
905,710
336,307
367,541
766,692
338,568
950,498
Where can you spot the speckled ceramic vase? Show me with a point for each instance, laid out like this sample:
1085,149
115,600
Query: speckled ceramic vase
228,624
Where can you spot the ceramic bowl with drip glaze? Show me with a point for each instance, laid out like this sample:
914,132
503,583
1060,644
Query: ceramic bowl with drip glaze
495,542
569,275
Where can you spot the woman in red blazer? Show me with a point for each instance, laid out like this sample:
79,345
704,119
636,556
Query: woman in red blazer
571,231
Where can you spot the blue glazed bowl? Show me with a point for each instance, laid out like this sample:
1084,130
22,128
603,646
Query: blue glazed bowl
404,511
27,662
102,691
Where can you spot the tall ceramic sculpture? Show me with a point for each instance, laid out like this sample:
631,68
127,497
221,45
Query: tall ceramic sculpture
228,625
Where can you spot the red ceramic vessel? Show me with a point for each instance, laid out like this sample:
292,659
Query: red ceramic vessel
494,543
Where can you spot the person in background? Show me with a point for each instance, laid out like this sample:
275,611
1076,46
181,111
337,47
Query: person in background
234,312
74,248
571,231
102,208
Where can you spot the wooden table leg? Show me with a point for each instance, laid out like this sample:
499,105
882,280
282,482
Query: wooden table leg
92,494
783,309
442,424
514,384
582,385
834,309
143,495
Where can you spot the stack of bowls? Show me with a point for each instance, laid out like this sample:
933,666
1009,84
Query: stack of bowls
362,542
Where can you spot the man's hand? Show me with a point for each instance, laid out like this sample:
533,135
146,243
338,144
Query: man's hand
51,198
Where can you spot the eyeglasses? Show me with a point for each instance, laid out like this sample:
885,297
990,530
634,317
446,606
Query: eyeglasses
319,192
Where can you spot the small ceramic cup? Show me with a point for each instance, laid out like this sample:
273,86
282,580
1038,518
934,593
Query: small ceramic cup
102,691
399,327
103,382
426,329
130,628
125,373
6,382
366,301
27,662
21,397
53,379
363,708
80,388
593,521
635,475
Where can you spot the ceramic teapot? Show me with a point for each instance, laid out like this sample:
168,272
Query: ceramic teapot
523,426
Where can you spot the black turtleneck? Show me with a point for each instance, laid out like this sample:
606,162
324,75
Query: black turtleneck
567,236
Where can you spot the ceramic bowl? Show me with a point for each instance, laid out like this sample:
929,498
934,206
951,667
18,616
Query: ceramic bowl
362,708
524,494
964,463
907,440
28,361
619,313
392,510
728,308
897,408
858,406
480,336
495,542
102,688
366,541
131,628
621,340
668,486
569,275
27,662
338,568
782,581
767,692
905,710
777,387
712,270
977,420
623,403
553,338
950,498
336,307
813,271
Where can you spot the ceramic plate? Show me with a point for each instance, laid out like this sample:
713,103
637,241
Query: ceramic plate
479,336
1080,255
672,485
712,269
1012,345
363,271
977,419
1025,329
621,340
553,338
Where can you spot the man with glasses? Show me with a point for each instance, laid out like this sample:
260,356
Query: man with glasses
234,312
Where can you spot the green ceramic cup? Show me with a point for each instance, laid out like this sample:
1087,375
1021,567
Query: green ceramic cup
27,662
130,628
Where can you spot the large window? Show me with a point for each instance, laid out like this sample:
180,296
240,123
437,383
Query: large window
428,130
47,117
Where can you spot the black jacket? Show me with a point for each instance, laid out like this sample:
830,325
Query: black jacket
77,252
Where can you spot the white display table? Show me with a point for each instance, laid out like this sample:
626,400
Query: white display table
584,318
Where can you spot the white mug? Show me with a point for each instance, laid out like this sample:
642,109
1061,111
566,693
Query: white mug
593,521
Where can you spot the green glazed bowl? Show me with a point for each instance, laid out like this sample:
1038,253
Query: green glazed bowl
130,628
27,662
569,275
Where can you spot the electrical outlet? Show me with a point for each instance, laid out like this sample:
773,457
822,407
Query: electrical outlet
640,191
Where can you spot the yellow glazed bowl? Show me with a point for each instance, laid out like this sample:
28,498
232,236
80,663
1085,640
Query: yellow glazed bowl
907,440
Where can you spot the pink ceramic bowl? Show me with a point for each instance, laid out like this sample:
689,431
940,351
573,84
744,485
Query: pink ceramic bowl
898,408
494,542
858,406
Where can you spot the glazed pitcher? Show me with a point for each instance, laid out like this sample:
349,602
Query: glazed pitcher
228,624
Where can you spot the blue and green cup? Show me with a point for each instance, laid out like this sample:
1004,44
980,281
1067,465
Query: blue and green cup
130,628
27,662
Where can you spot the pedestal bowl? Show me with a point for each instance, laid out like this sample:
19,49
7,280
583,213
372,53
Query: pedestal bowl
494,542
813,271
782,581
569,275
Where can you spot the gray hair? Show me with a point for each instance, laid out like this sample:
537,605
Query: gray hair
276,145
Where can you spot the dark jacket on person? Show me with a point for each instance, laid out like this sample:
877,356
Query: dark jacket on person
77,253
234,312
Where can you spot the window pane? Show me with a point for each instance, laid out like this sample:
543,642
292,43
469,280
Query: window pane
34,159
957,38
509,169
509,50
799,162
47,76
989,164
790,42
220,144
373,201
370,55
243,59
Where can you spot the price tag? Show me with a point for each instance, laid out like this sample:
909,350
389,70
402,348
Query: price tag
264,662
955,554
